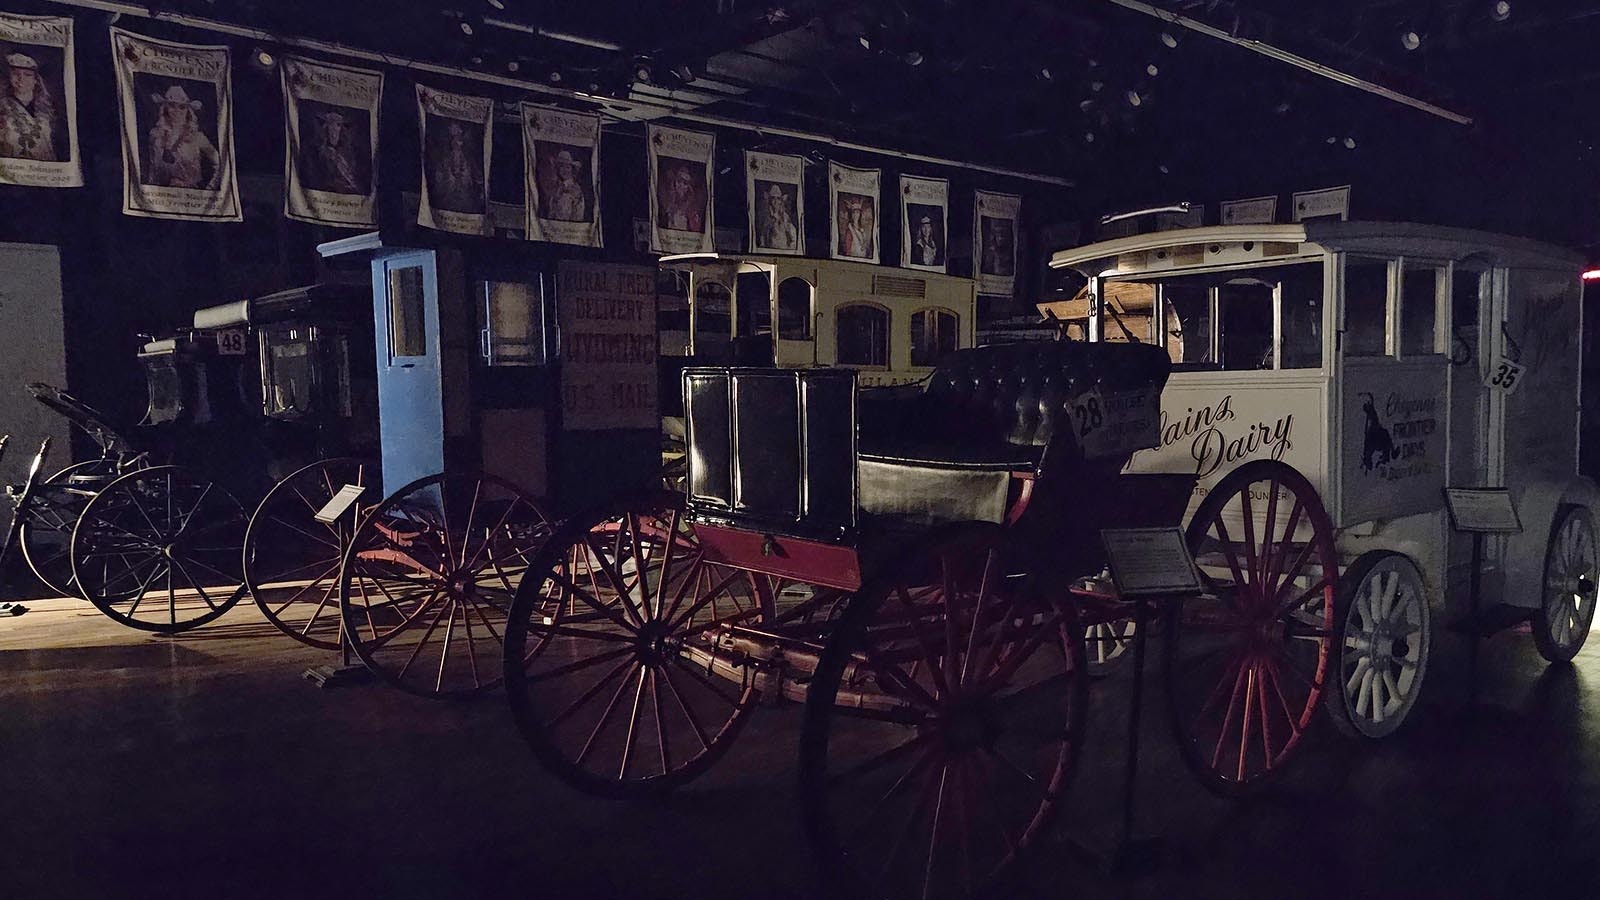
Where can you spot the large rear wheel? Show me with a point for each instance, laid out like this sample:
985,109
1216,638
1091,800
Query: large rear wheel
943,725
1566,609
1246,662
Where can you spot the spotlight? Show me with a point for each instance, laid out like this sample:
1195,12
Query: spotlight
914,58
263,59
498,4
513,65
1134,99
1085,105
1332,140
1500,11
1169,39
1152,70
466,27
1349,143
554,77
1411,40
866,42
1283,107
1163,169
1088,137
1096,86
1044,74
475,60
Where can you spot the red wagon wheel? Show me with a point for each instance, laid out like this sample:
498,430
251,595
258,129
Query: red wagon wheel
291,560
943,725
429,577
609,666
1246,663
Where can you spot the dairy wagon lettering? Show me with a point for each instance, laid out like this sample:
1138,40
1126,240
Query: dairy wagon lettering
1394,443
1216,436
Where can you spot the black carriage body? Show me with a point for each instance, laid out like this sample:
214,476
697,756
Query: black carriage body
987,438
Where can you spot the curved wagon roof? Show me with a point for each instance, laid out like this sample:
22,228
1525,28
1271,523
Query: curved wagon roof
1123,255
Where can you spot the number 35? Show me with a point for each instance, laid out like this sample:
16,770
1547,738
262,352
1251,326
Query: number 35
1505,376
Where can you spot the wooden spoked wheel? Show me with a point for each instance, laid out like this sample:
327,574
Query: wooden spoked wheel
1566,609
159,550
610,666
429,577
943,725
1247,661
45,534
1384,642
291,560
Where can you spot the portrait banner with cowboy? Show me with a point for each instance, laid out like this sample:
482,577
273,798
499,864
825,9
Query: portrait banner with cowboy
561,163
775,192
994,242
38,103
925,218
331,143
853,205
457,138
681,198
175,102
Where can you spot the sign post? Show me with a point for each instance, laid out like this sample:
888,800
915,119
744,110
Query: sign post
1479,511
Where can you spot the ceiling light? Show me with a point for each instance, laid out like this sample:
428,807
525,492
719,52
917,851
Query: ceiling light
554,77
1170,39
1163,169
1500,11
1283,107
1044,73
1085,105
498,4
1152,70
866,42
914,58
465,26
1134,99
1411,40
1332,139
513,66
1350,143
1096,86
263,59
1088,137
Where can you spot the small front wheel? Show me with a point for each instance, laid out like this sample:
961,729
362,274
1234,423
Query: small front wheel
1561,623
1384,637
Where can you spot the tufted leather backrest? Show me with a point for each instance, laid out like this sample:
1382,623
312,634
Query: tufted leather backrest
1021,393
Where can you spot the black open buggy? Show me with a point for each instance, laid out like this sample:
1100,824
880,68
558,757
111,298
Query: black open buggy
921,590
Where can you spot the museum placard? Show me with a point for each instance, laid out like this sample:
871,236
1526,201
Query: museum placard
607,315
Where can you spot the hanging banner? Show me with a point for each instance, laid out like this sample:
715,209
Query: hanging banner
176,106
775,192
853,205
331,143
38,103
681,190
925,234
994,228
457,138
561,165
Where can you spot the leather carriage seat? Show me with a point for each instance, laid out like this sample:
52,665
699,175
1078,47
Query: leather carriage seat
946,450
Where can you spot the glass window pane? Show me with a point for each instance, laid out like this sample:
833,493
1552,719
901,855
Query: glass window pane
290,381
862,335
794,310
1188,322
1129,312
408,332
512,318
713,318
1366,306
755,304
1466,288
1300,288
1245,307
1419,305
934,332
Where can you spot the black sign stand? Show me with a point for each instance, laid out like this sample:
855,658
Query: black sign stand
1480,512
348,670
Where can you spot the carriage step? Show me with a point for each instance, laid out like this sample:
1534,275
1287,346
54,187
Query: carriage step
1491,621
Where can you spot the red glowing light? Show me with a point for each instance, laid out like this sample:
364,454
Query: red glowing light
1591,275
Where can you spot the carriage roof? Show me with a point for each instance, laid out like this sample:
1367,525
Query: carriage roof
1275,242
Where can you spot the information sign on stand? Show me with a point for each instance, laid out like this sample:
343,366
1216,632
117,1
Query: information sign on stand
339,504
1150,561
1482,510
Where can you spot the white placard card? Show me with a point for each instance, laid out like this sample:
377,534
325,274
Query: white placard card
1255,211
1323,204
1150,561
1489,510
339,504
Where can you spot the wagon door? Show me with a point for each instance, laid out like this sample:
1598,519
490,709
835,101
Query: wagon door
410,389
1472,442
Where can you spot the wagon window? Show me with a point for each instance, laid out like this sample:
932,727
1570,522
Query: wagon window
933,334
511,323
1300,325
1466,288
408,334
1366,307
1245,309
794,309
755,304
862,335
713,317
1419,305
1188,318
